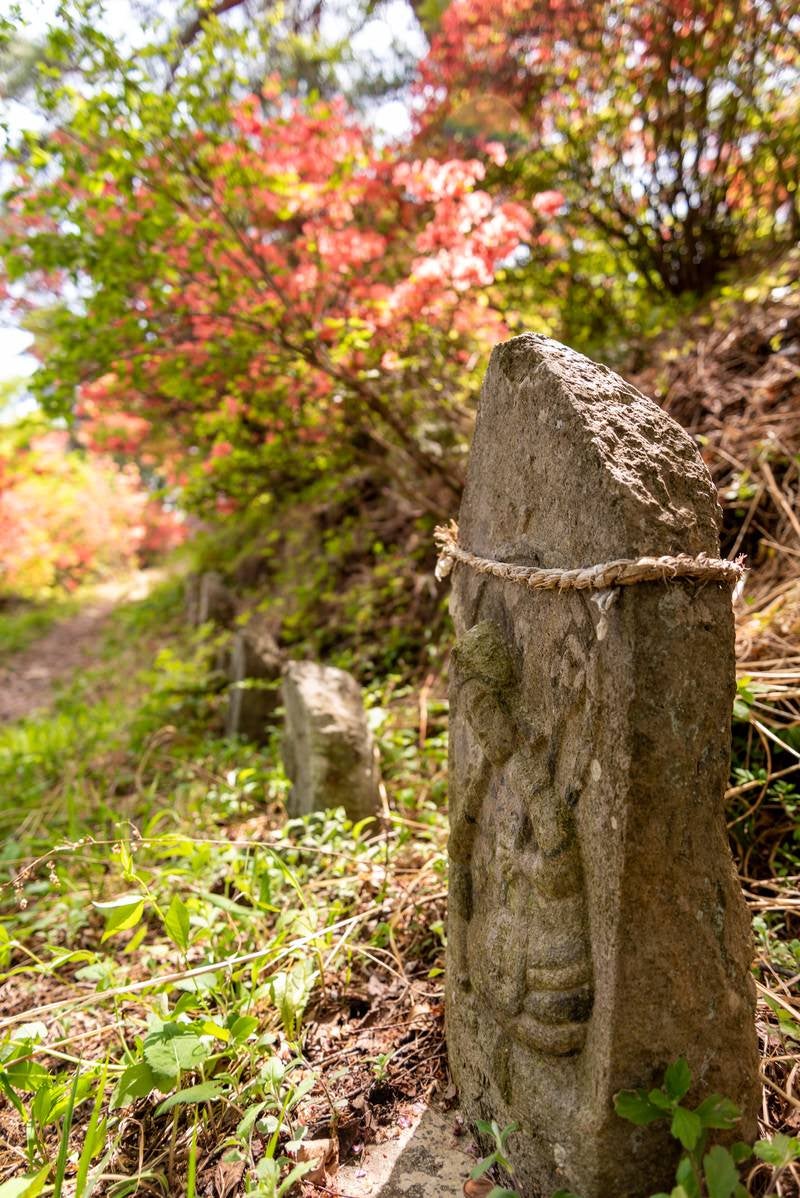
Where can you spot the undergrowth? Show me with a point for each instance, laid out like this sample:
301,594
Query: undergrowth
167,934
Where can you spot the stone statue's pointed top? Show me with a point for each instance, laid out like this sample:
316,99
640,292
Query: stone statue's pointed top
571,465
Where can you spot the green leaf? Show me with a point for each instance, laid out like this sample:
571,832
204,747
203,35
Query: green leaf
722,1176
778,1151
121,913
176,922
242,1027
294,1176
136,1082
291,990
26,1074
716,1111
173,1048
25,1187
687,1127
678,1079
204,1092
11,1094
660,1099
248,1120
636,1107
483,1166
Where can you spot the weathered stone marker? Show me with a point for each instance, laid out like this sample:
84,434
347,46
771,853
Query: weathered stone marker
215,602
254,668
328,748
596,928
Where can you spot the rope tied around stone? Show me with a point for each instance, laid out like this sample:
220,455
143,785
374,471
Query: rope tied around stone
620,573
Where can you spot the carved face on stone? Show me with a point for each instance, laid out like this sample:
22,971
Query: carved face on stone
524,933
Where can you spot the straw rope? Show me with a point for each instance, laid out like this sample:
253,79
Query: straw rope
621,573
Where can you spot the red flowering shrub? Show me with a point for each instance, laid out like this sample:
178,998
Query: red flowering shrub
269,294
67,516
668,128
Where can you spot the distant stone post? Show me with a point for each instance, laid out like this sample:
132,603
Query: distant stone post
597,931
254,667
328,750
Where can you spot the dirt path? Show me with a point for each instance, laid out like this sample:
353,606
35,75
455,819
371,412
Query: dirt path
28,679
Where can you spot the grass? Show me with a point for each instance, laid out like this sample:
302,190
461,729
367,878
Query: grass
165,932
21,623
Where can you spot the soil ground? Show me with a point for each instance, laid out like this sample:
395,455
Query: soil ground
29,678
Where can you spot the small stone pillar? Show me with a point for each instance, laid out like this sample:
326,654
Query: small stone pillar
254,668
191,599
597,931
215,602
328,748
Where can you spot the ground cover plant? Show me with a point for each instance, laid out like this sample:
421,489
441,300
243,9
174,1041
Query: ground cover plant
143,877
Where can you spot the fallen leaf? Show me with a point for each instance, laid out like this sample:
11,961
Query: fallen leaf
479,1188
226,1177
325,1154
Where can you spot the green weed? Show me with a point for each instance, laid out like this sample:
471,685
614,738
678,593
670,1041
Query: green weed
170,928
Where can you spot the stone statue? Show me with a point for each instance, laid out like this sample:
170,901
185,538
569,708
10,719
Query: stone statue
526,869
596,927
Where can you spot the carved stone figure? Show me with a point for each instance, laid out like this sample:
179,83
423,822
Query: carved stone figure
525,870
596,927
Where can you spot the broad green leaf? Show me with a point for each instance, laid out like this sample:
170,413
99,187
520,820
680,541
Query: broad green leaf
121,913
721,1174
242,1027
61,1098
136,1082
209,1028
203,1092
11,1094
660,1099
290,991
716,1111
248,1121
686,1127
27,1075
176,922
173,1048
636,1107
678,1079
778,1151
268,1170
